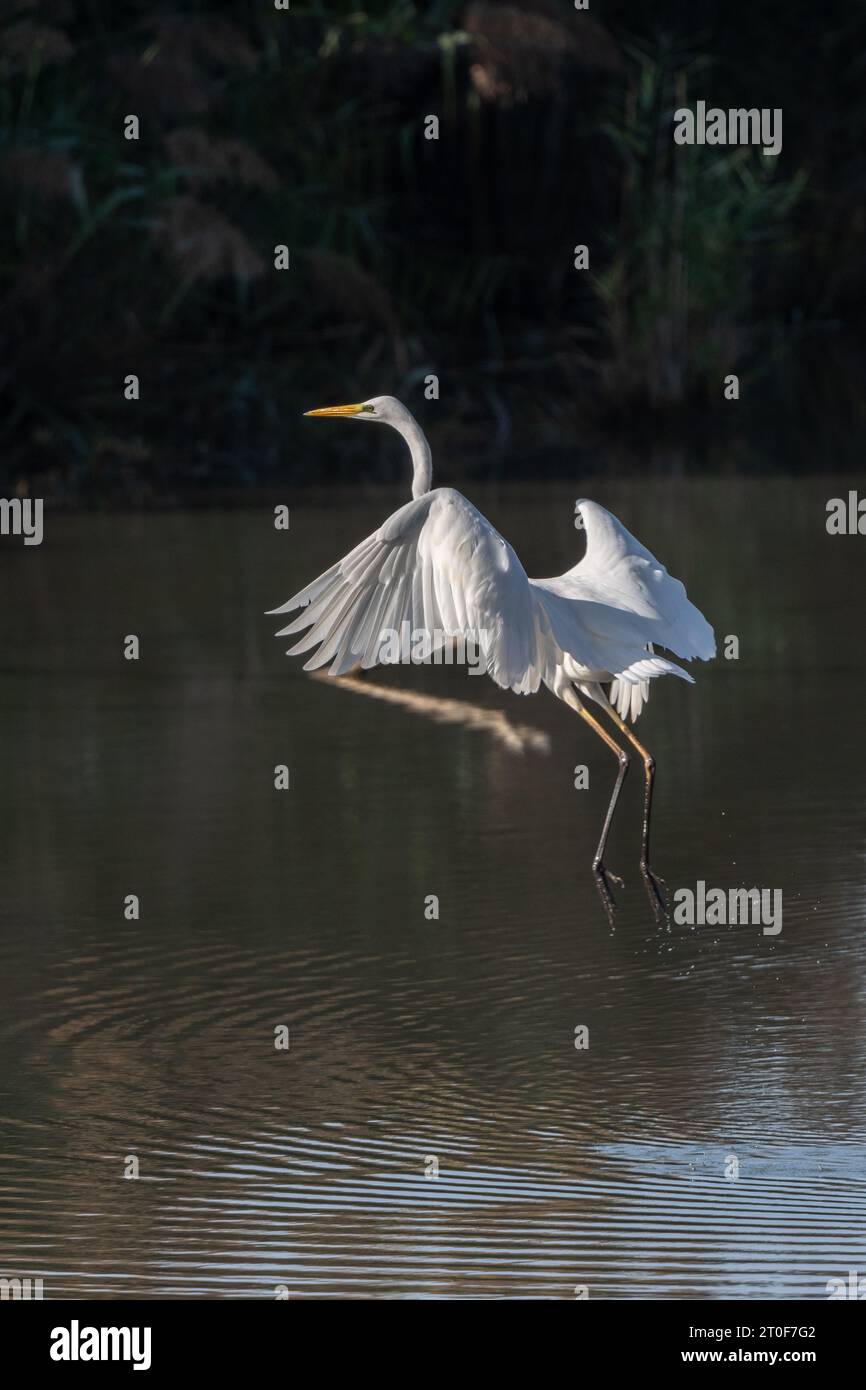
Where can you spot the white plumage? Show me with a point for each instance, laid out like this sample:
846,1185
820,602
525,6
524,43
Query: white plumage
625,603
440,566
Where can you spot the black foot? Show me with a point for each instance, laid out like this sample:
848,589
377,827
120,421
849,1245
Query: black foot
603,879
655,888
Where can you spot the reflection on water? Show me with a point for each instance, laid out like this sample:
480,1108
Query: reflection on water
446,710
413,1039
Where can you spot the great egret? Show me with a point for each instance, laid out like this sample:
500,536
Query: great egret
439,566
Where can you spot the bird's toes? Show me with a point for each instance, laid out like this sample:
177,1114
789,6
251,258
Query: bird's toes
656,890
607,877
649,873
608,901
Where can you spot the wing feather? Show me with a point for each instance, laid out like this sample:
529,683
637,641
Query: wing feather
639,597
620,600
437,564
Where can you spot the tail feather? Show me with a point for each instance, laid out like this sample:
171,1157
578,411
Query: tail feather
629,699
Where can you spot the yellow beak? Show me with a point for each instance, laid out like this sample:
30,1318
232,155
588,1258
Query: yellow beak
337,410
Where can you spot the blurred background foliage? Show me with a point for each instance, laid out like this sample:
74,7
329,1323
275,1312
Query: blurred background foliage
262,127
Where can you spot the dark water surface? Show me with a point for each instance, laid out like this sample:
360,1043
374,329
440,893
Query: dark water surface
414,1039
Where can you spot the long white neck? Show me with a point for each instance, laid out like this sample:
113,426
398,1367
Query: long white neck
422,459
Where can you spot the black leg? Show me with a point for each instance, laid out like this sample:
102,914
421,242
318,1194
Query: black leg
603,876
654,885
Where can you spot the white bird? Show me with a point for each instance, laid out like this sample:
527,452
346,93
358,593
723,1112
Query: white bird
438,565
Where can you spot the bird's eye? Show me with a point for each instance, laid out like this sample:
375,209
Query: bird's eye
369,409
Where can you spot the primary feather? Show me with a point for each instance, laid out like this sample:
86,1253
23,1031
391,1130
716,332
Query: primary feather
437,564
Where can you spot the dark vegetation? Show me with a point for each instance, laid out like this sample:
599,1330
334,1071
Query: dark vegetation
408,257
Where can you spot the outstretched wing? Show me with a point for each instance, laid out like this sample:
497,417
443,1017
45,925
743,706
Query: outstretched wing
437,564
616,605
647,602
624,596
